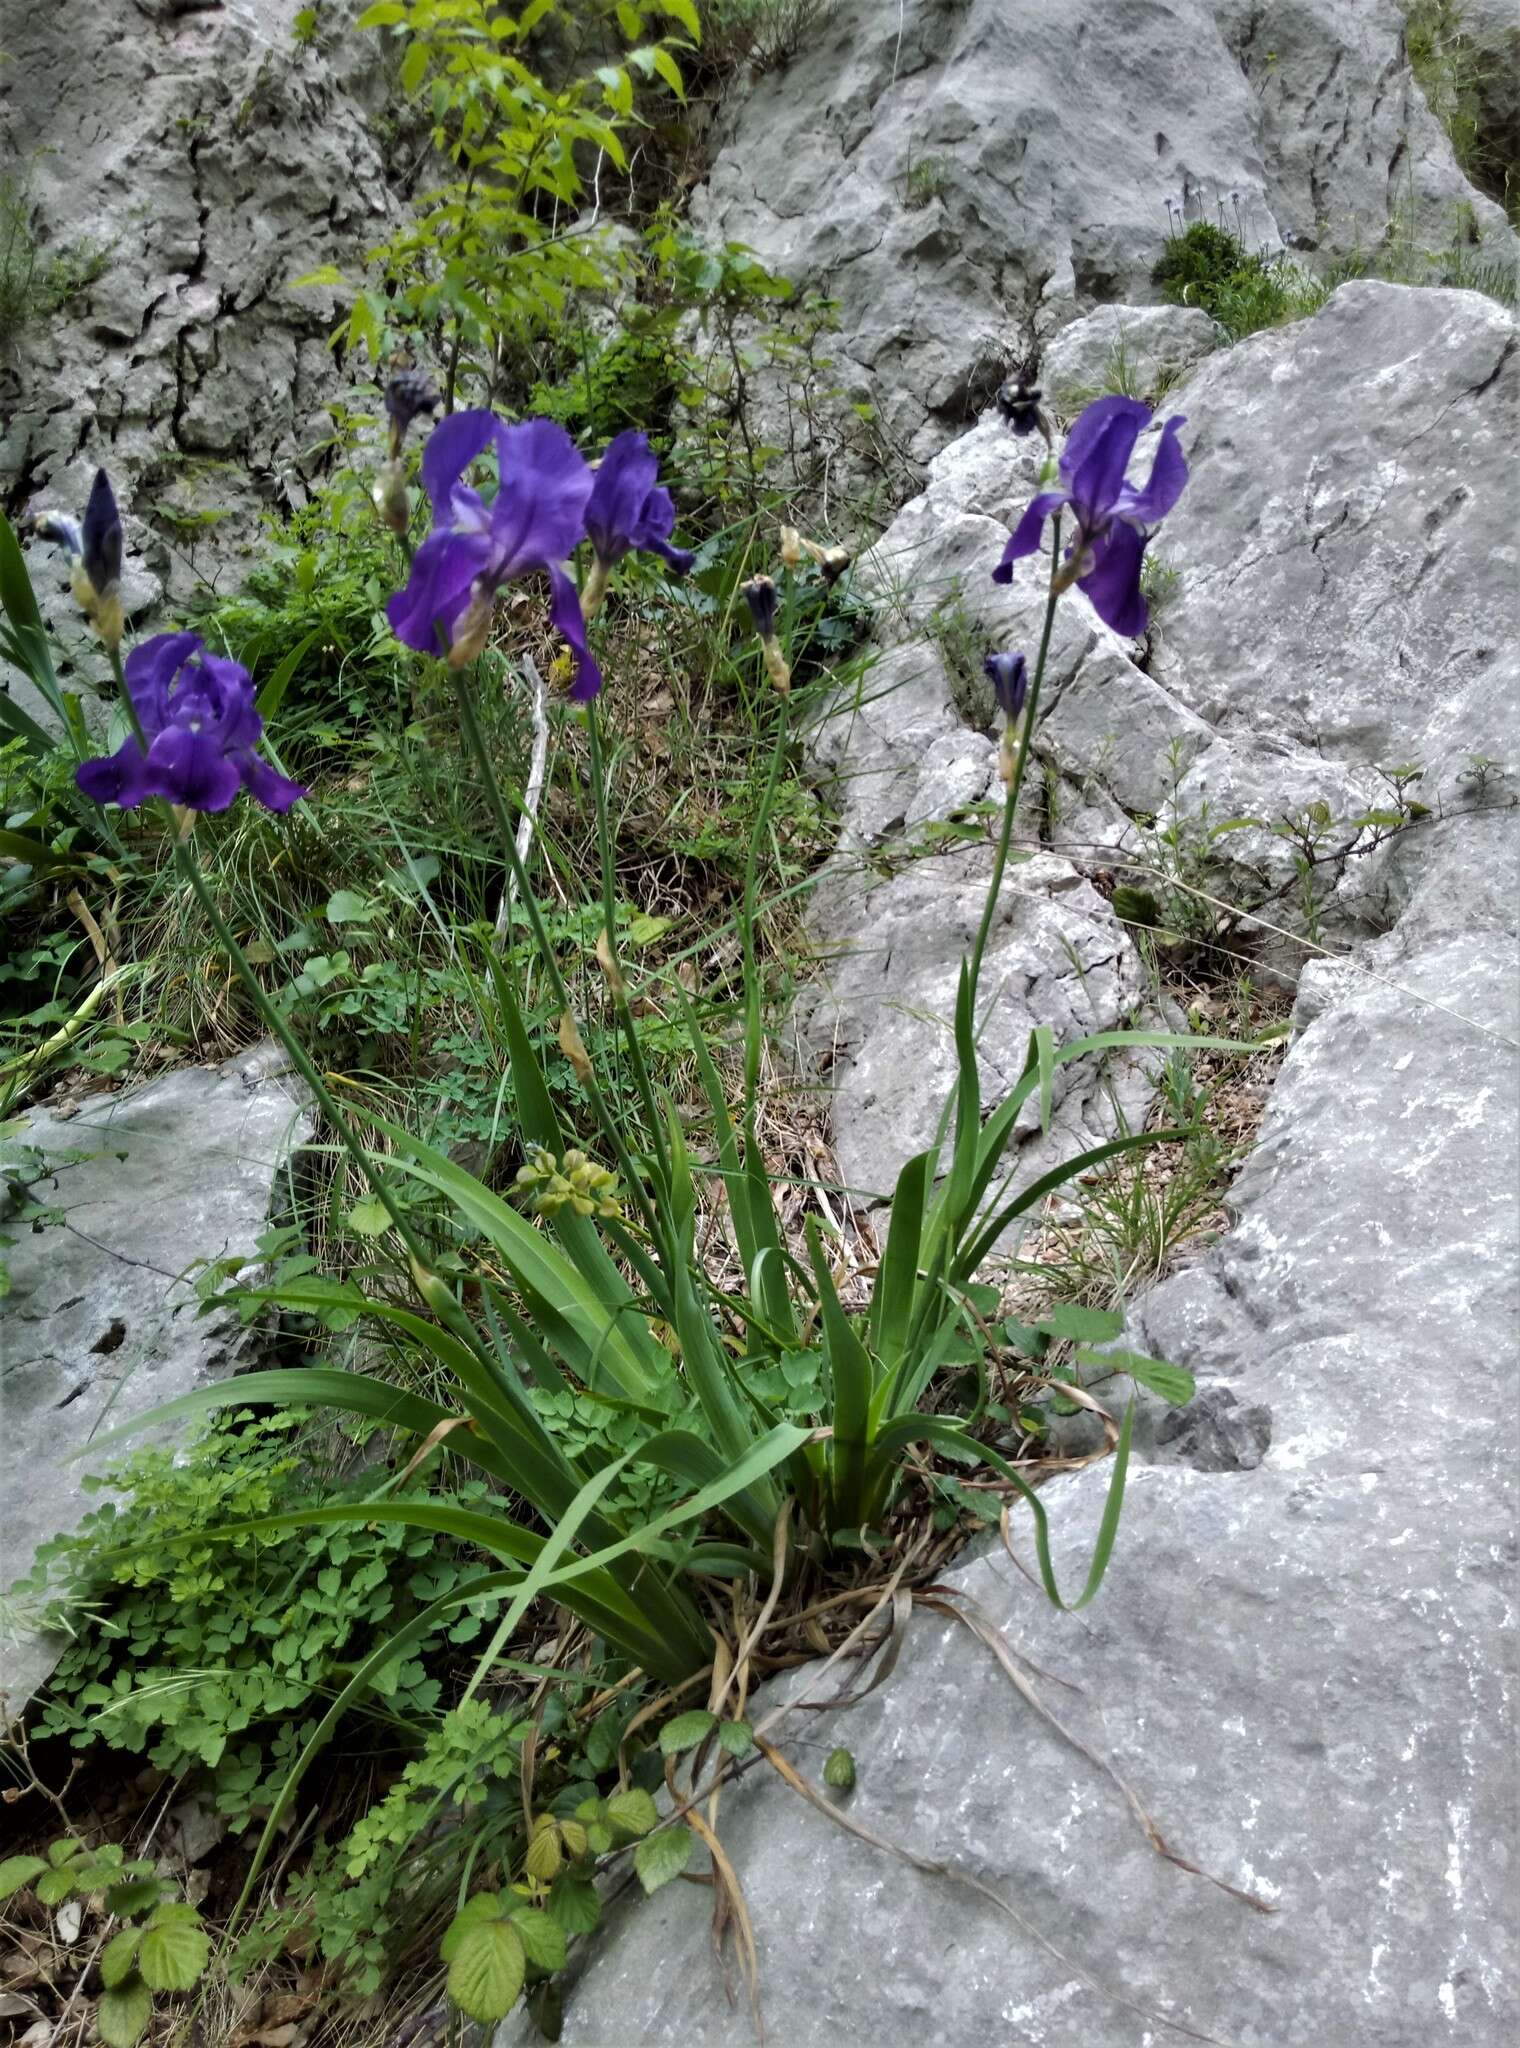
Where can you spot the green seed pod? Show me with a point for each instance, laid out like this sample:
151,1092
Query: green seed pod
839,1771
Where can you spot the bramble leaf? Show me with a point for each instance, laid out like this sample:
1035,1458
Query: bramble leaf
488,1969
662,1856
686,1731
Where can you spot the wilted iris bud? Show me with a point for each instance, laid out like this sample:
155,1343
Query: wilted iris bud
1018,404
95,549
60,529
760,595
472,630
390,498
408,394
832,561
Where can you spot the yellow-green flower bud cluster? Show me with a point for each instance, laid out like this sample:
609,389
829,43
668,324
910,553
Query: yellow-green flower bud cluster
589,1189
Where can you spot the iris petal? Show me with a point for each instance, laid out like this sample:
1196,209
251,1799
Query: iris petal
1167,481
625,479
151,669
1112,585
539,515
119,778
1093,423
267,787
438,589
1096,481
188,767
1027,535
451,447
565,610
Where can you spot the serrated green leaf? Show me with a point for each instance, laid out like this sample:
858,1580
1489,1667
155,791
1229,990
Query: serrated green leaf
686,1731
414,67
736,1737
54,1886
487,1971
574,1903
543,1938
124,2012
135,1896
545,1852
16,1871
662,1856
669,70
634,1811
172,1955
479,1907
61,1851
117,1957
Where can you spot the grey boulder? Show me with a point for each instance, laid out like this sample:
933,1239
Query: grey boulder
965,181
100,1324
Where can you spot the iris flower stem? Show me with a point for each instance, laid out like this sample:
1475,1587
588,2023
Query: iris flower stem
475,741
751,891
269,1016
609,917
1031,711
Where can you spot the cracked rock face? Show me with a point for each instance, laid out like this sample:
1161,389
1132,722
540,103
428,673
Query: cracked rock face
188,162
882,1031
965,179
100,1324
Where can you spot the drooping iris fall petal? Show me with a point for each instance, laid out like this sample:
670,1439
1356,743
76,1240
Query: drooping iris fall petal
628,508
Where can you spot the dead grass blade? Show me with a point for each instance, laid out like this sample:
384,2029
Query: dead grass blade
729,1905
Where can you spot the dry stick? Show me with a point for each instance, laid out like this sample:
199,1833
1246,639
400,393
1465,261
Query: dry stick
528,823
790,1775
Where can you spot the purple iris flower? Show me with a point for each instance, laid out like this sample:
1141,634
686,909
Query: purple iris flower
199,718
1114,519
629,509
1009,677
532,525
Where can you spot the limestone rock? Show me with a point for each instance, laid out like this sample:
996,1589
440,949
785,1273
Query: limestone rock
1302,1658
185,166
1140,350
100,1324
881,1028
1350,577
964,180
